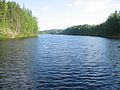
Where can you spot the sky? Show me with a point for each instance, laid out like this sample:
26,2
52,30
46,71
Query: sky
60,14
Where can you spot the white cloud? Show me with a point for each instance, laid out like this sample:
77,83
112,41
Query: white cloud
46,8
101,7
79,3
69,5
95,6
118,5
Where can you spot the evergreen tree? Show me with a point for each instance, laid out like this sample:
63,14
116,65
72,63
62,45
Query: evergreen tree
16,21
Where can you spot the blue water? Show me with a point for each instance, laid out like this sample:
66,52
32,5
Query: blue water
60,62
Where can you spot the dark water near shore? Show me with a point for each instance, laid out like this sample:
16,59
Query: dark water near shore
60,63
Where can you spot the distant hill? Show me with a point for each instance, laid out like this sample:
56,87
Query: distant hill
52,31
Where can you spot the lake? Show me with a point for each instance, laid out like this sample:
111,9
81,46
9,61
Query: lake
60,62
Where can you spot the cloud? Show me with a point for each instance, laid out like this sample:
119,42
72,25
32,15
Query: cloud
46,8
70,5
95,6
118,5
79,3
101,8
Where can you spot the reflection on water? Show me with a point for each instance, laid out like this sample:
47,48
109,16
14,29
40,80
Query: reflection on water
60,63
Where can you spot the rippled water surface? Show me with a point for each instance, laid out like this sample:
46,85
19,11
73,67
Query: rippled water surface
60,62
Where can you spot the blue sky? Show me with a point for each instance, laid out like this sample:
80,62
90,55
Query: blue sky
60,14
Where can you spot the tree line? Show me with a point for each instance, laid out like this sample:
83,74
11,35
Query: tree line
109,28
16,21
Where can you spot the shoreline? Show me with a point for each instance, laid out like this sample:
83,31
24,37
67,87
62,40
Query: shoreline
110,37
16,38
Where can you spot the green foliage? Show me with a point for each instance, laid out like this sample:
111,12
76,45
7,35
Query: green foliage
16,21
110,28
113,24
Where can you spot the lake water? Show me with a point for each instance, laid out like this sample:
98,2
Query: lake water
59,62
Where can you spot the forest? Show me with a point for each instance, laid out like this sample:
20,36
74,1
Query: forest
15,21
109,28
